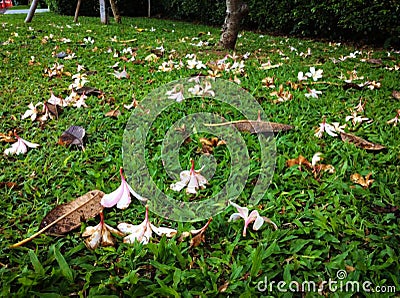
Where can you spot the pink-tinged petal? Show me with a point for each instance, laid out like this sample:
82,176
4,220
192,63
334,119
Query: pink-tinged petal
252,217
201,180
20,147
13,149
163,231
243,211
193,185
29,144
136,195
111,199
125,199
258,223
235,216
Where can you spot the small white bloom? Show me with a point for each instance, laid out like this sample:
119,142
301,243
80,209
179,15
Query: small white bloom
314,74
143,232
254,216
20,147
192,179
312,93
32,112
121,196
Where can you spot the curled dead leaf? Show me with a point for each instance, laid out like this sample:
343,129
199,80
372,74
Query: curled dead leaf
89,91
300,160
8,184
72,136
396,94
113,113
77,211
363,181
255,126
8,138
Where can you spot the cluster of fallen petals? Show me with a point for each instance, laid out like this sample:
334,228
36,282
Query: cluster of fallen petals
254,216
20,146
315,166
191,179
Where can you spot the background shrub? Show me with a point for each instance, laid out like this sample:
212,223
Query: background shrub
371,21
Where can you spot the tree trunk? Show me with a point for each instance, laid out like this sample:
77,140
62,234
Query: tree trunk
115,10
78,6
236,10
103,13
148,8
31,12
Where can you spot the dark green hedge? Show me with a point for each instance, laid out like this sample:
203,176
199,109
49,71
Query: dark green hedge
372,21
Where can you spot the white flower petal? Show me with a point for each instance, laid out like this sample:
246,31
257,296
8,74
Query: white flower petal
111,199
90,230
243,211
125,199
163,231
178,186
235,216
94,240
29,144
258,223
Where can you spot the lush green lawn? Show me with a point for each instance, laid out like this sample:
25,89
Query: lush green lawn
325,224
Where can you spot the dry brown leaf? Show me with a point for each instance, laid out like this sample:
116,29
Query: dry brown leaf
113,113
222,288
375,61
54,110
78,210
72,136
396,94
67,217
360,142
350,268
89,91
8,185
363,181
208,145
7,137
300,160
256,126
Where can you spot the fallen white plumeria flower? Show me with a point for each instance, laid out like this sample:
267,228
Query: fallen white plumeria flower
254,216
100,234
143,232
121,196
32,112
192,179
20,147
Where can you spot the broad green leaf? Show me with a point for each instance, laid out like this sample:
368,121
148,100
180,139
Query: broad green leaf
65,269
36,263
